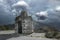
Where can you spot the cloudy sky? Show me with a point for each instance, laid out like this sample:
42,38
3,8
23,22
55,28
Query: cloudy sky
49,7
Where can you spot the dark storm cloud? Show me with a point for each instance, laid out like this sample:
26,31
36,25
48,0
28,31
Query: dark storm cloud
50,7
6,9
6,15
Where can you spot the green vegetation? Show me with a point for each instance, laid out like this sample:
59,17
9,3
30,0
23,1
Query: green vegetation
7,27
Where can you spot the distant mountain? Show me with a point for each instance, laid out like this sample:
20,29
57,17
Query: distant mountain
38,26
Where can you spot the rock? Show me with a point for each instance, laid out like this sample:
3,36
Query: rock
58,35
42,35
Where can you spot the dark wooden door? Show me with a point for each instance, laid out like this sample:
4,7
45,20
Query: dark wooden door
20,27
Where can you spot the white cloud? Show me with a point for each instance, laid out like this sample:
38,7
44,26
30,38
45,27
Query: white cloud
1,0
42,13
14,12
21,5
58,8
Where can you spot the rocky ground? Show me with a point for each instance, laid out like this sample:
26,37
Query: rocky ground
13,36
7,36
33,36
4,35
